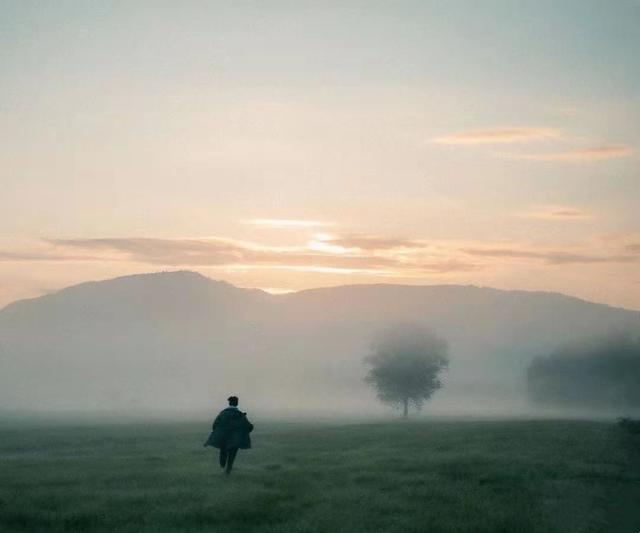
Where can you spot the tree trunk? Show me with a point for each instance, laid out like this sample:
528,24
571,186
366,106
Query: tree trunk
405,414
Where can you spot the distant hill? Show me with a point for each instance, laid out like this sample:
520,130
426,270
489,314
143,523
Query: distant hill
181,341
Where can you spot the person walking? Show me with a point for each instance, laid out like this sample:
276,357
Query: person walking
230,433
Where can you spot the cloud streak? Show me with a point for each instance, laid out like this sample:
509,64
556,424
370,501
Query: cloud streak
367,242
556,212
520,135
552,257
41,256
224,252
281,223
349,254
499,136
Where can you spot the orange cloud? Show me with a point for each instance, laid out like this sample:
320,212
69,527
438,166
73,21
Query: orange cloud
225,252
391,258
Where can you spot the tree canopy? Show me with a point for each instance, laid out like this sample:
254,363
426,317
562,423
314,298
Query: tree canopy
405,362
602,373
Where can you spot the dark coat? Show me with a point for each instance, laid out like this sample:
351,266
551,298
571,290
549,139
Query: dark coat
230,430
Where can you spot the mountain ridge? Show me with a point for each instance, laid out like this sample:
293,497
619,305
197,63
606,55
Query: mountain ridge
179,339
185,274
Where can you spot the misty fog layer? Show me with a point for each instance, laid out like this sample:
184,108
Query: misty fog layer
182,342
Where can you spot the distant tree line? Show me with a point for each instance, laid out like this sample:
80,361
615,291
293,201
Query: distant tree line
604,373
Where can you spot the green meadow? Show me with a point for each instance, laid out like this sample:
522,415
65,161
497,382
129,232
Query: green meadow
421,476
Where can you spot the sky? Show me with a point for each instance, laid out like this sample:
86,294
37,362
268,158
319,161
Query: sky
287,145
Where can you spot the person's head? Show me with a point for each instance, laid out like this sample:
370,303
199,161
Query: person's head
233,401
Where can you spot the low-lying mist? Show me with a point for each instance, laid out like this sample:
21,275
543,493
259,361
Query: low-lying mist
179,344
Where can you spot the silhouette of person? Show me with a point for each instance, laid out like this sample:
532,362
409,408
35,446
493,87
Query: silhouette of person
230,433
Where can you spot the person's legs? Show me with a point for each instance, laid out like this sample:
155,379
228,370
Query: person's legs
223,456
231,456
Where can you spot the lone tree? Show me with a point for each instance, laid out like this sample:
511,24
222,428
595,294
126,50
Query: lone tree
405,362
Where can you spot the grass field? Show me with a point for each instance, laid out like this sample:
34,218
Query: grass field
431,476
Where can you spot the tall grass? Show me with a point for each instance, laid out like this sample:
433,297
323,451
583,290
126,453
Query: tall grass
499,476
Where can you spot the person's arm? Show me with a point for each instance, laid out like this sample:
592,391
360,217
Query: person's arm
215,424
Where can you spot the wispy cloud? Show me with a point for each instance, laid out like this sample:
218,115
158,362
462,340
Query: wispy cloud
633,248
499,136
592,153
368,242
42,256
225,252
513,135
159,251
350,254
286,223
556,212
553,257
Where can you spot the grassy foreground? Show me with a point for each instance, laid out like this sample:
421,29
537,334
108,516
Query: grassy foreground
486,476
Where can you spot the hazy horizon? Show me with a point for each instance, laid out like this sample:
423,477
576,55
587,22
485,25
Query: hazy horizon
178,341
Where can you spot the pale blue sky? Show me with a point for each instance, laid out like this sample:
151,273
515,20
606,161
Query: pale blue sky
506,127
